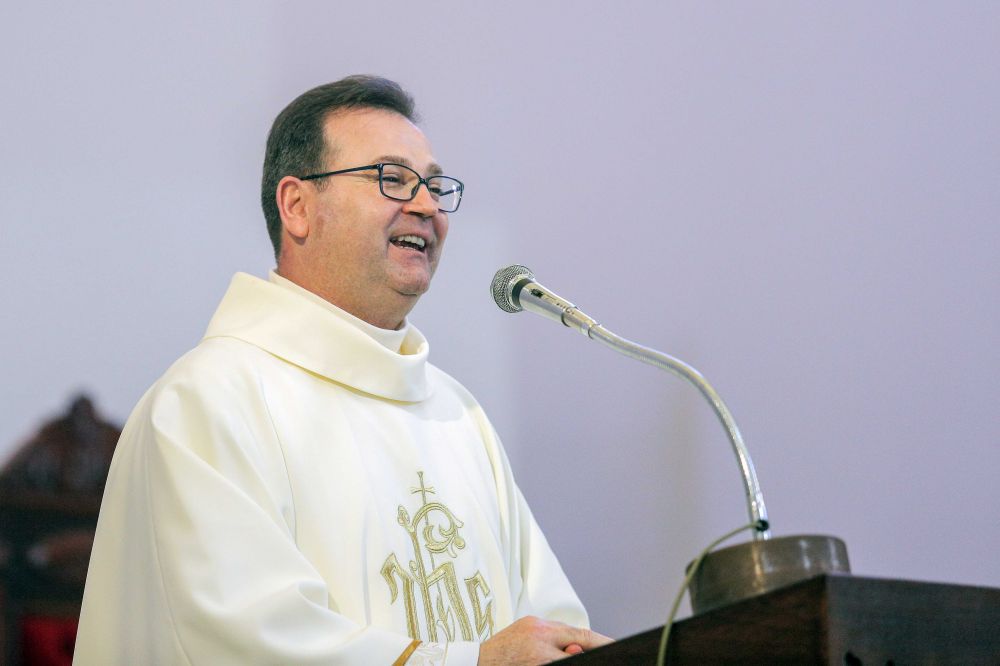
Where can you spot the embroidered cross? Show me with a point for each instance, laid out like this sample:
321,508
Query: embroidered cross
423,490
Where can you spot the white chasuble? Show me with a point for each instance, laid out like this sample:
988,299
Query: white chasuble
292,491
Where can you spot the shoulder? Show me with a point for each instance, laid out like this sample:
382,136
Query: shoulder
211,409
218,384
448,389
217,365
447,385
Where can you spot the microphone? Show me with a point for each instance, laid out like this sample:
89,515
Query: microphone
515,289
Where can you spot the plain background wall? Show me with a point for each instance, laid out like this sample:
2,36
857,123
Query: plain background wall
800,199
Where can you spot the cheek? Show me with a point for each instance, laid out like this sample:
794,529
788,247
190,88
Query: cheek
441,228
352,230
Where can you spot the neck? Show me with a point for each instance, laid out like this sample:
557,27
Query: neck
386,318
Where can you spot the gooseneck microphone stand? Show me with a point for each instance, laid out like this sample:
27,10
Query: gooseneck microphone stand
730,574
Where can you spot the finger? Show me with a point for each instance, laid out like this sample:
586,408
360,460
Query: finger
585,638
573,648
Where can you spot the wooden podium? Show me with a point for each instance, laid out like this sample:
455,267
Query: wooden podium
831,619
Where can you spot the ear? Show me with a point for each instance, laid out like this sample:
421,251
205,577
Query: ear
294,200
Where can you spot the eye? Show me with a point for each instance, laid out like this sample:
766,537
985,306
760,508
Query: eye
395,177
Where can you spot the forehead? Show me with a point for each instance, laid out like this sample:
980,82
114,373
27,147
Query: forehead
366,135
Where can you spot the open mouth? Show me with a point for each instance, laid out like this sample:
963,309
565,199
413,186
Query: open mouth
409,242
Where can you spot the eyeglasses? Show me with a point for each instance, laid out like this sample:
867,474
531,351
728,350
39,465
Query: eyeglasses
401,183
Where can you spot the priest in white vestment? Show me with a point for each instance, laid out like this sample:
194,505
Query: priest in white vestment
304,487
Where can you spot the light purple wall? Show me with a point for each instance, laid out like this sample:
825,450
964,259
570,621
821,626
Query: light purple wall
801,201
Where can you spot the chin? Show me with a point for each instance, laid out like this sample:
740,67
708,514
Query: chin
413,291
413,285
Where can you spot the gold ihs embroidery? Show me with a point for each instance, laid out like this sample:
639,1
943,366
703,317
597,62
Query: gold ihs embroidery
445,614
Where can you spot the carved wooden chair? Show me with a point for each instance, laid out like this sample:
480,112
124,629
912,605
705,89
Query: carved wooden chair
50,495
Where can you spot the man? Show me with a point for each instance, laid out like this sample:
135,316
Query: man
304,487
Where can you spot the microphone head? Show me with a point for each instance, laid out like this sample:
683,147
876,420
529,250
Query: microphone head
503,286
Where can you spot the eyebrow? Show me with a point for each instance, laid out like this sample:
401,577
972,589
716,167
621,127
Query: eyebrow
433,170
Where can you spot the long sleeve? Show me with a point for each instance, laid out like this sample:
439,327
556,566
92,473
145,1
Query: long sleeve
198,508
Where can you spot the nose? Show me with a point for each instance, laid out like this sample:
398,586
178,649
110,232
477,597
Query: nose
422,204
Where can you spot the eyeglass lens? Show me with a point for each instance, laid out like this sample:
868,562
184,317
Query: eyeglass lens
401,183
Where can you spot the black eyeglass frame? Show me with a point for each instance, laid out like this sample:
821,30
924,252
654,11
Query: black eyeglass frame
413,193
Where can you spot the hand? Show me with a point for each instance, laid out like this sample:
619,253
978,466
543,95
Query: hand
531,641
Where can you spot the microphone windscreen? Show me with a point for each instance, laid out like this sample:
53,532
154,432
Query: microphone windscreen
503,286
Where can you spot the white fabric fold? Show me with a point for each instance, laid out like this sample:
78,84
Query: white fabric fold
303,332
293,492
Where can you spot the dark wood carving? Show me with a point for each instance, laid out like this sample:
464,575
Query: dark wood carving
68,456
50,496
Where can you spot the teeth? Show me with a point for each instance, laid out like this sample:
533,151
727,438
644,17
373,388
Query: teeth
416,240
